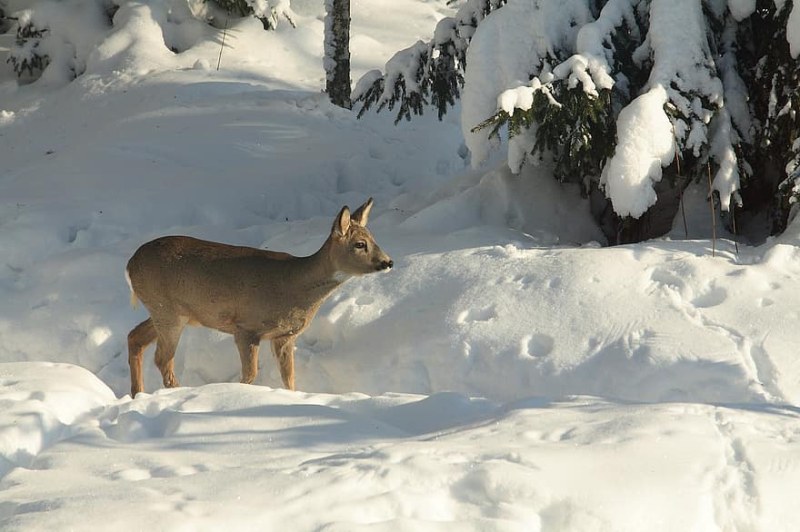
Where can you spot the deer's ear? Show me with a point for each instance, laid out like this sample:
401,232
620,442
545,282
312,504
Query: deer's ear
362,213
342,223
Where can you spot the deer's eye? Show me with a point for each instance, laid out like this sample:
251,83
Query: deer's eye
360,245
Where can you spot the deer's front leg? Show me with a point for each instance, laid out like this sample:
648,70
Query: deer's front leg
283,348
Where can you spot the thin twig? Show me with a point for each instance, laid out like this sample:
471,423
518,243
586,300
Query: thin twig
224,33
680,194
713,215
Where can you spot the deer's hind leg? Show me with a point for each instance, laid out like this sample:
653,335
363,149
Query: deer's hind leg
169,333
139,338
283,348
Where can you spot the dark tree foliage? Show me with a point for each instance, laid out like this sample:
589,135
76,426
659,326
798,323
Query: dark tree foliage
773,77
579,132
244,8
27,55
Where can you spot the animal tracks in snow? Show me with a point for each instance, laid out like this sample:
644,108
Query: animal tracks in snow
711,297
477,314
679,283
736,497
673,283
147,471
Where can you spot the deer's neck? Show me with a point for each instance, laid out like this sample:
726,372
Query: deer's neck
316,274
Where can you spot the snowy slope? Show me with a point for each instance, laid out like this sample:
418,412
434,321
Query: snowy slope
251,458
508,374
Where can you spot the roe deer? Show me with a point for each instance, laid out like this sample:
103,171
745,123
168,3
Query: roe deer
250,293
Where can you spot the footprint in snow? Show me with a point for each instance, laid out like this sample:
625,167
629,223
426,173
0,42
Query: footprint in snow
537,345
477,314
711,297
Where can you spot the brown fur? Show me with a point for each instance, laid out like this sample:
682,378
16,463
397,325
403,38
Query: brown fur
250,293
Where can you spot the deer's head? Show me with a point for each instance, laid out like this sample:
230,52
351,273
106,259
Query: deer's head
354,251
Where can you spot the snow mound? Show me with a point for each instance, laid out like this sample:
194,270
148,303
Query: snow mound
41,403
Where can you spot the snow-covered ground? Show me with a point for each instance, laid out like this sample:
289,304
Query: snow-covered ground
509,373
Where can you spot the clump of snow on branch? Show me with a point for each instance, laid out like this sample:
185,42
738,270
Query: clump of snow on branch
736,96
522,97
645,144
404,65
726,181
271,11
683,65
741,9
594,53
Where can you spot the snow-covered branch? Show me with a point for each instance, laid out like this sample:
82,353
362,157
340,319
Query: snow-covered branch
578,132
273,11
426,73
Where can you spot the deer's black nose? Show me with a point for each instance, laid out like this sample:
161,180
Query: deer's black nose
386,265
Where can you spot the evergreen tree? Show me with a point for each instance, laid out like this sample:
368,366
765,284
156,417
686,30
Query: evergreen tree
723,95
426,73
337,52
613,92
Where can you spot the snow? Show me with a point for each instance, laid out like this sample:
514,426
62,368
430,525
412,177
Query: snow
591,47
726,181
741,9
793,31
508,374
645,144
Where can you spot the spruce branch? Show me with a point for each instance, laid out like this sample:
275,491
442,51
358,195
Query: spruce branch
429,73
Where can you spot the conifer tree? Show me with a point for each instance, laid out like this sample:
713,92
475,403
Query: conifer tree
612,92
696,73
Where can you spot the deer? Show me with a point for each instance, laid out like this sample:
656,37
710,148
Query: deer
252,294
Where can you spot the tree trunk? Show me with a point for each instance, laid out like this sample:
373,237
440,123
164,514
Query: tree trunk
337,52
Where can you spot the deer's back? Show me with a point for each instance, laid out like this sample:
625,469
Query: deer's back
208,282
